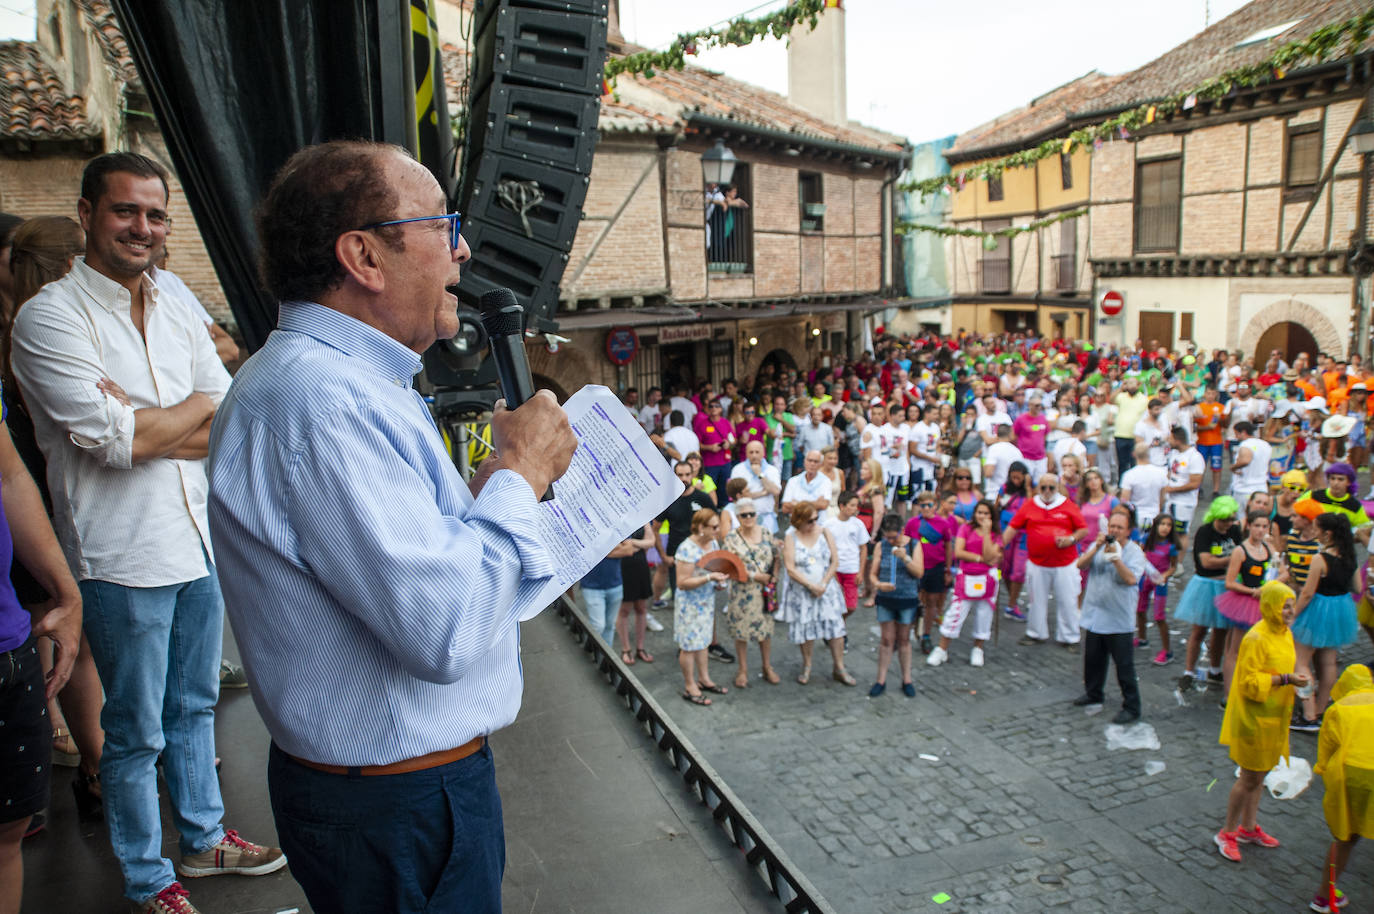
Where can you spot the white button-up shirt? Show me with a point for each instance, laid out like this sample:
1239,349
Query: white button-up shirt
138,525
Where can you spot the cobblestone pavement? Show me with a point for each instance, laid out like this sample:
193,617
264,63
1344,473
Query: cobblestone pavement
990,788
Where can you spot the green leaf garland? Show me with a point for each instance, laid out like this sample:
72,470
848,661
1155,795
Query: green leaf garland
1316,48
1010,231
736,33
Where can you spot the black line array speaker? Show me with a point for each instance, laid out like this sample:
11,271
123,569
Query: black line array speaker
551,220
540,47
537,77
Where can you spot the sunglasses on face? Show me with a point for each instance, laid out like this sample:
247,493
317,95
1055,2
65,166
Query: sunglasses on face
969,478
1046,488
747,513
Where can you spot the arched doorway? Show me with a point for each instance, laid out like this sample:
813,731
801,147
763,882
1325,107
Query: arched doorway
772,365
1289,338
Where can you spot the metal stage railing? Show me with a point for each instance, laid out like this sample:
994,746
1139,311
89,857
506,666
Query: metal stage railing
765,858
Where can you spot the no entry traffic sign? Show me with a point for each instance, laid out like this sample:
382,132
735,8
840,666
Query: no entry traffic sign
1112,303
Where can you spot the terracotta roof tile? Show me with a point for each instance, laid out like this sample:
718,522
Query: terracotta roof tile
1213,51
664,103
1042,116
33,103
696,89
101,19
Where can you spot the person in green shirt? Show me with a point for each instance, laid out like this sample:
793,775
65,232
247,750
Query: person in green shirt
1191,373
782,428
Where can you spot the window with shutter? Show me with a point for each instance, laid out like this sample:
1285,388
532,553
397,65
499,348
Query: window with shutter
1304,158
1158,190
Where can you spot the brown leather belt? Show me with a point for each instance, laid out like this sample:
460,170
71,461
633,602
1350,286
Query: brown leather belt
419,763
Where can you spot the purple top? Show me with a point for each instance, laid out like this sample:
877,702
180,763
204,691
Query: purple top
935,534
1030,435
1091,512
14,621
756,429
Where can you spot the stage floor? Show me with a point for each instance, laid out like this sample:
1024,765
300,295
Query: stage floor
595,819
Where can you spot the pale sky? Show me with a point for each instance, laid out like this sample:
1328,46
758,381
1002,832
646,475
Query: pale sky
920,68
925,69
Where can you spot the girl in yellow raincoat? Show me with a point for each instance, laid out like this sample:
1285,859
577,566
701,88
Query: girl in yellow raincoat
1345,760
1257,715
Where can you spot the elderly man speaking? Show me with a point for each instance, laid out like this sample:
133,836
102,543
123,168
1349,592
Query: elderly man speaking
373,592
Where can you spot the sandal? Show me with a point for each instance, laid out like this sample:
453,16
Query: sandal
627,658
770,675
805,676
843,677
644,655
713,688
697,699
742,681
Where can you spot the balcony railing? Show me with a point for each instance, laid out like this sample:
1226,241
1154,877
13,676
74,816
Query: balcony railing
1156,227
995,276
730,248
1065,266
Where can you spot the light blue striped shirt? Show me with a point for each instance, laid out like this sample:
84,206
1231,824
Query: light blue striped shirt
374,600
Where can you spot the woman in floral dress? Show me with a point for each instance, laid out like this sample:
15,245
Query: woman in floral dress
812,604
746,616
695,606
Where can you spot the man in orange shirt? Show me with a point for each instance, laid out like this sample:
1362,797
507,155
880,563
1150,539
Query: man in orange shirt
1209,421
1304,383
1335,377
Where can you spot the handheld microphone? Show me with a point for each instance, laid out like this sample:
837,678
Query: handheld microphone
504,321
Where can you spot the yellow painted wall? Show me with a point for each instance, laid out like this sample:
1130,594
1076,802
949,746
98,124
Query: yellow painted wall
1018,196
1024,190
1052,193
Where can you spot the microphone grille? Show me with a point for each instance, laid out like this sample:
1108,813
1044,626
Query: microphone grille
496,299
507,321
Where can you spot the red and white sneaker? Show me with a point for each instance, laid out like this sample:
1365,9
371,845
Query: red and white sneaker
171,900
1258,836
1226,844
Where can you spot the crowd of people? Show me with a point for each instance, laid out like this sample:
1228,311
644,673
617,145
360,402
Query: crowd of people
946,477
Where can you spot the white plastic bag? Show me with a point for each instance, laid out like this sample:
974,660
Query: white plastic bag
1131,736
1288,779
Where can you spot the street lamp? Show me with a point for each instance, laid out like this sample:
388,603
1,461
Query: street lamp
718,164
1362,136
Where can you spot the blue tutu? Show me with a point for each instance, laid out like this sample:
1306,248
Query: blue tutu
1327,622
1198,603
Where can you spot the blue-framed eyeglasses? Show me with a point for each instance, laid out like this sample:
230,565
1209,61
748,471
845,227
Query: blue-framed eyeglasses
455,225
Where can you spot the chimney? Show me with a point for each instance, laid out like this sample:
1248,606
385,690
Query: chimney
816,65
614,38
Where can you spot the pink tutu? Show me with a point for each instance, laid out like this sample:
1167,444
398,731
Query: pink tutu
1239,608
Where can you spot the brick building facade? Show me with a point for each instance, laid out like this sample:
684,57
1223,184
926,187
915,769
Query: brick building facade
1230,223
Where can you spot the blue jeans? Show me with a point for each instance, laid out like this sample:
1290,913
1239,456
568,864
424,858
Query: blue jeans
602,608
429,840
157,650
